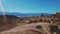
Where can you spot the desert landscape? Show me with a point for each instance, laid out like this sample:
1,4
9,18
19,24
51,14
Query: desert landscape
31,25
29,16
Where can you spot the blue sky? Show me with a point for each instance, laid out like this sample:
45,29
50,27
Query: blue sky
31,6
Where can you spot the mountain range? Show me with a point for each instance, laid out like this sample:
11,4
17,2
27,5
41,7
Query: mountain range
25,14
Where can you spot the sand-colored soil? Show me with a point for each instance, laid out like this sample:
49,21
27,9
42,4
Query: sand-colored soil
29,28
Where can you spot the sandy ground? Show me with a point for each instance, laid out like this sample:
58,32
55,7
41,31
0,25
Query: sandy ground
27,27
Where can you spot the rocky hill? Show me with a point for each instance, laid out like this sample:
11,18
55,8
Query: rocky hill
10,22
14,21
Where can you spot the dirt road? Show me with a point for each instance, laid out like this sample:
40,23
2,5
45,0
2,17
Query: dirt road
38,28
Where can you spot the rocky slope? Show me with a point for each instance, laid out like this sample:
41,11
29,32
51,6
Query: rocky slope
52,24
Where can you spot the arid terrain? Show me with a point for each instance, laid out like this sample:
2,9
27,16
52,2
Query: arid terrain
31,25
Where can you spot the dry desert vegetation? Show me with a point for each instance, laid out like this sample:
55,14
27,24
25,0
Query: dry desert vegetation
31,25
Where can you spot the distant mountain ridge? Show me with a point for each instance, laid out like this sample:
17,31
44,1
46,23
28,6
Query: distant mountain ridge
25,14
